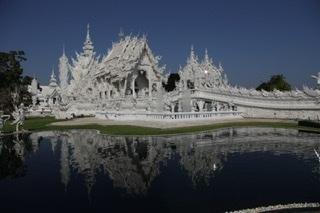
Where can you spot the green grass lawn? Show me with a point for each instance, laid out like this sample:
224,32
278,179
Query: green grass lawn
41,124
32,124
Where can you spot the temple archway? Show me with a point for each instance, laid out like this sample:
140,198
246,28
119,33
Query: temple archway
141,84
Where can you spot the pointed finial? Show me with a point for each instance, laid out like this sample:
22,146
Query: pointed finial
53,80
121,34
192,57
53,75
63,50
191,51
144,36
88,45
206,56
88,32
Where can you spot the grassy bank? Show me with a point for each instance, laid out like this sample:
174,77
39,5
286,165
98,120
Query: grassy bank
41,124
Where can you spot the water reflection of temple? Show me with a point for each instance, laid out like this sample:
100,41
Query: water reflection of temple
132,163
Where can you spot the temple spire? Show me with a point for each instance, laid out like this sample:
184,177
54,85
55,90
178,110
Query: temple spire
191,51
206,56
63,51
192,58
34,86
63,71
53,80
121,33
88,45
88,33
53,75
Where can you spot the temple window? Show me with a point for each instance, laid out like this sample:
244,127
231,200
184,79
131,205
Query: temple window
154,87
190,84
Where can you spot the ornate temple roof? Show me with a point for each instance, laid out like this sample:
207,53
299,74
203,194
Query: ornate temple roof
205,73
129,48
125,55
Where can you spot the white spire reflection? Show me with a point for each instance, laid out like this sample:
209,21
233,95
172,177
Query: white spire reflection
132,163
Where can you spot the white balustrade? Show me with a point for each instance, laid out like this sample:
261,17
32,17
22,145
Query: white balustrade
168,116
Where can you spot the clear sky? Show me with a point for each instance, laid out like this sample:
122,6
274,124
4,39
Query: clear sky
253,39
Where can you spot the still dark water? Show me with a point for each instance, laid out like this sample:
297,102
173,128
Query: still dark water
224,170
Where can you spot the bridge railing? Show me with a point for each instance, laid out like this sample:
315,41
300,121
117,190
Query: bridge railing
168,116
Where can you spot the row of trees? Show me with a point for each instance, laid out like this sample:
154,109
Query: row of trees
13,85
276,82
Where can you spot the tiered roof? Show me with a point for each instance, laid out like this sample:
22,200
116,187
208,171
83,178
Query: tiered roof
126,55
205,73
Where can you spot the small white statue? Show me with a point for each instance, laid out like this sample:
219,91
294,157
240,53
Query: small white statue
19,117
317,154
317,77
3,119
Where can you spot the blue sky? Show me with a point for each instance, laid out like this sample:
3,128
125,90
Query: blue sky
253,39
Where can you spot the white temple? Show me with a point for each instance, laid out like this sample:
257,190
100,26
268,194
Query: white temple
127,83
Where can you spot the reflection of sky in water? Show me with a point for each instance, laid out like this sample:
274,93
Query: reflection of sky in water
220,170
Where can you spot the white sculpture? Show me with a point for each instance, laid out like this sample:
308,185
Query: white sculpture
3,120
64,73
317,77
19,117
83,67
317,154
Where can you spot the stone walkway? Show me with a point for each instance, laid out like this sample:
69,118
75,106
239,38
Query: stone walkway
159,124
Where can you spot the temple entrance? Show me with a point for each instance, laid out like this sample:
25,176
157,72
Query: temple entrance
141,84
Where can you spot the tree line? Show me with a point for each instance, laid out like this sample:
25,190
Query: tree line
13,85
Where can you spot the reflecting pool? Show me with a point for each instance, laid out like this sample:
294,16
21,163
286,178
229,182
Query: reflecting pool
218,171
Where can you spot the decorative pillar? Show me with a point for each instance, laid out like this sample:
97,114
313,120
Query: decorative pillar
132,86
179,106
150,85
172,107
191,106
212,106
